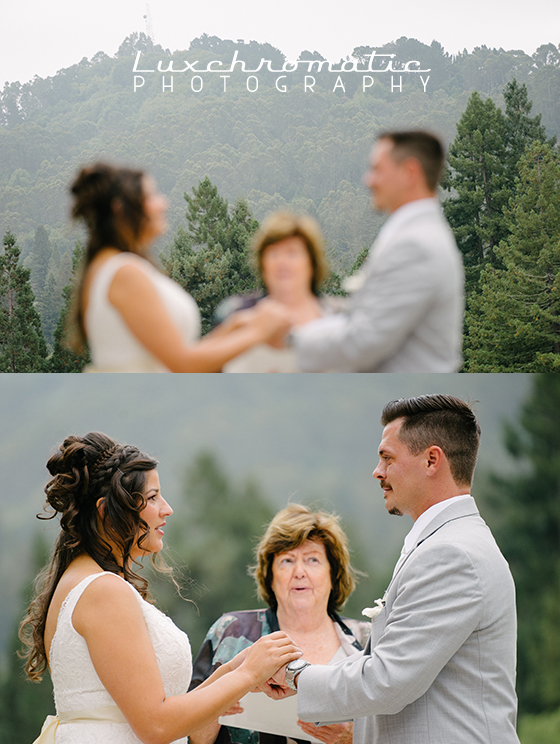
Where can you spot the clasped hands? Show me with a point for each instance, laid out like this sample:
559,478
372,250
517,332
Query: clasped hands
272,319
276,651
276,687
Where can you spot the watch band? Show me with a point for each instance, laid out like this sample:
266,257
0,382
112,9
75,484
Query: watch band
292,674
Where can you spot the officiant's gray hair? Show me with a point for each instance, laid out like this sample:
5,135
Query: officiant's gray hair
442,420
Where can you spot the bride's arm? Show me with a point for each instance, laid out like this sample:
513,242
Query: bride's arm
110,619
134,296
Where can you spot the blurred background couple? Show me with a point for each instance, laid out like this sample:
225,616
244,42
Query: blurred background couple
404,314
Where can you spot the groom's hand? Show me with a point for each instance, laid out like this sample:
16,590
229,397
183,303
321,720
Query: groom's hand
274,691
276,687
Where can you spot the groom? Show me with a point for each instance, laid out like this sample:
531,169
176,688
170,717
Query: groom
440,664
406,315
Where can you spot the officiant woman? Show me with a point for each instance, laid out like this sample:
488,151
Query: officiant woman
303,574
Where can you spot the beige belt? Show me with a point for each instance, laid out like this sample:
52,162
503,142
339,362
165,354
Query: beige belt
109,714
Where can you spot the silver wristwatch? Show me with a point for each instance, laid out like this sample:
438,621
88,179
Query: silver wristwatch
292,670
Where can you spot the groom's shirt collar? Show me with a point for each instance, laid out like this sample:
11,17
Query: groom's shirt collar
425,518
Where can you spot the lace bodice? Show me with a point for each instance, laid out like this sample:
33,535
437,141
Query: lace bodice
77,685
113,347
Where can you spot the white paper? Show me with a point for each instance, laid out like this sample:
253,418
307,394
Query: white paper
260,713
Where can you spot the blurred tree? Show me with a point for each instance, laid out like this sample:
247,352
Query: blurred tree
138,42
51,299
210,258
41,254
207,215
49,306
477,158
222,522
22,345
521,129
540,729
64,359
526,523
514,323
24,705
484,160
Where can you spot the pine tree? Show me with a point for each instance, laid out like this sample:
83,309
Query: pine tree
51,299
478,176
24,705
514,324
521,129
40,257
526,524
22,345
49,306
207,215
224,521
484,161
242,226
63,359
210,259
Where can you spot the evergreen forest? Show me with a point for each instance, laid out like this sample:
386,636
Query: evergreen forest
246,144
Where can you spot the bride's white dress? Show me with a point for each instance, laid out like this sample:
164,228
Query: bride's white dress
112,346
77,686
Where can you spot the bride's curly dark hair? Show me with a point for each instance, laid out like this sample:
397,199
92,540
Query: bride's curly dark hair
89,472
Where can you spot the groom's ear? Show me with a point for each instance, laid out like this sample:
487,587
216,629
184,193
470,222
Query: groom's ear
435,458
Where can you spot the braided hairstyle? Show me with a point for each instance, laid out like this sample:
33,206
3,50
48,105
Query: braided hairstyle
89,472
110,201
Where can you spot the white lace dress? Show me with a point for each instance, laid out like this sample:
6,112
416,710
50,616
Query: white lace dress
112,345
77,686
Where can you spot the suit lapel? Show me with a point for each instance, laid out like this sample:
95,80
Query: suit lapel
459,510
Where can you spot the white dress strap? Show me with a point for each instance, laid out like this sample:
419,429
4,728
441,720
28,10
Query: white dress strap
71,599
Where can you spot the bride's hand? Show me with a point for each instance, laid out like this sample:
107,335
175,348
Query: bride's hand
236,320
271,652
271,319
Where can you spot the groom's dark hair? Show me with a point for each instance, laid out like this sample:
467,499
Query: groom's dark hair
424,146
443,420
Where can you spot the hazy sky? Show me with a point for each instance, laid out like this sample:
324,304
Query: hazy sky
40,37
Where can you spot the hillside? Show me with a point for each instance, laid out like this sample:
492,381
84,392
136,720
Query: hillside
305,148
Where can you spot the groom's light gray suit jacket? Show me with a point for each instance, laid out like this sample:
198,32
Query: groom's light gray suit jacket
440,668
408,314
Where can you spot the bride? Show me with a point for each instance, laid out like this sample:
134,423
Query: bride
119,666
134,318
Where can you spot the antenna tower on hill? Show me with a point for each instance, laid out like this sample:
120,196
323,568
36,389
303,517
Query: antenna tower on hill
149,27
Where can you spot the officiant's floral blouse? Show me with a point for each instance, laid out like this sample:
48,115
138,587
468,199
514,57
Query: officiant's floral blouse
234,631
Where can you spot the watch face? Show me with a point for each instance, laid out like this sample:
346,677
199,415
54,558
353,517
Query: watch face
294,666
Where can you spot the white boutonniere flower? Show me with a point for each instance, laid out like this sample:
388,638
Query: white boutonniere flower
371,612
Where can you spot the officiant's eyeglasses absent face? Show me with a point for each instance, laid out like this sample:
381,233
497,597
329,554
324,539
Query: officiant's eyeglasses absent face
302,577
287,264
297,533
289,247
400,473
